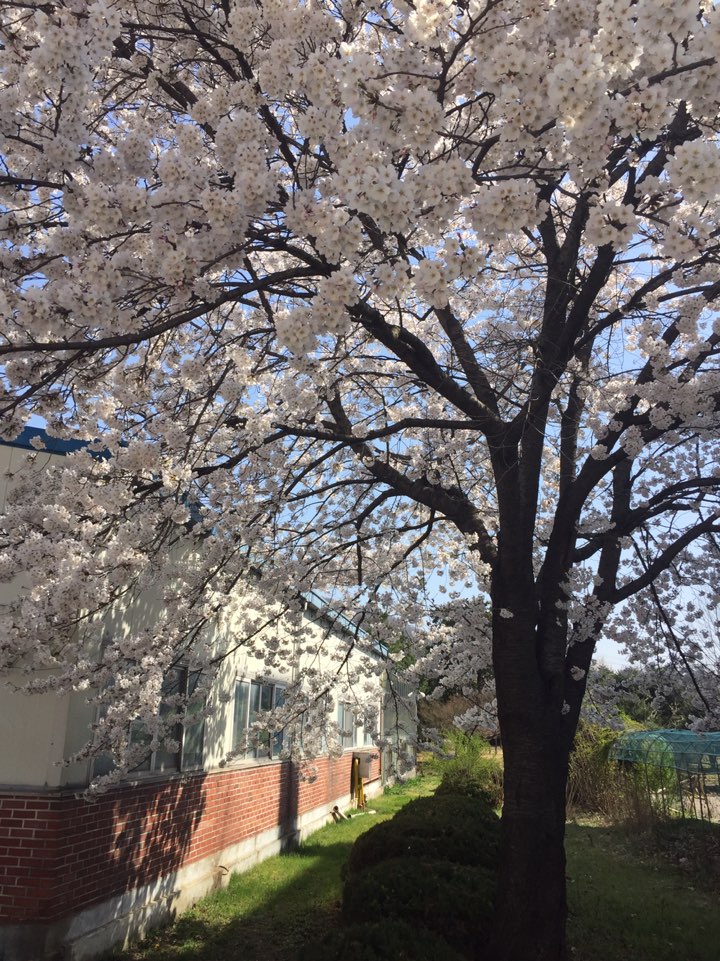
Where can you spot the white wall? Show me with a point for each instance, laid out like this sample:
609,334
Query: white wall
37,731
32,727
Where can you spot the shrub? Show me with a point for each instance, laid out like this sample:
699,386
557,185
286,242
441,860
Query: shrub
453,900
447,828
472,770
433,866
389,940
646,794
594,782
442,806
632,793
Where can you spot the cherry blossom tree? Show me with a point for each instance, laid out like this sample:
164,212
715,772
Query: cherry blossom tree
675,646
364,297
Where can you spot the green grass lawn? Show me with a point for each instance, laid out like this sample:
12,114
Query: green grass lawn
265,914
626,902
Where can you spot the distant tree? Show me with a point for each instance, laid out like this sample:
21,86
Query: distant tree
654,696
356,294
453,670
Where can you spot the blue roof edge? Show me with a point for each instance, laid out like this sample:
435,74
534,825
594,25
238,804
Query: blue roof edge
52,445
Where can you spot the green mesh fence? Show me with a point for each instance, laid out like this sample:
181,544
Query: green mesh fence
685,751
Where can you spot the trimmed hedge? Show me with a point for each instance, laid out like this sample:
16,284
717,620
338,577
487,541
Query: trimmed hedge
442,828
381,941
453,900
430,873
449,804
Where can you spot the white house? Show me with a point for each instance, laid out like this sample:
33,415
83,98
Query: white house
78,875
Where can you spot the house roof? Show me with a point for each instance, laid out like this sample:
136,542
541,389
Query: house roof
52,445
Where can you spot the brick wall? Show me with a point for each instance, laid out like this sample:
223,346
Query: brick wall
60,854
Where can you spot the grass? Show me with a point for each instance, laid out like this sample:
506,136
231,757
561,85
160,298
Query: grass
265,914
628,899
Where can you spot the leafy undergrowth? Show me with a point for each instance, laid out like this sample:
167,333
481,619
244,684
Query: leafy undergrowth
627,900
693,846
269,912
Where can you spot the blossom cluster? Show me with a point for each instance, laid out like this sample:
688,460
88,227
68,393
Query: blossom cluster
336,296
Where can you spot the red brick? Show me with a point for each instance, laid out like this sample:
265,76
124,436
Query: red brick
10,823
86,853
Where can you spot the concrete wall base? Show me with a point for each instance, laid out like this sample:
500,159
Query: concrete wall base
128,917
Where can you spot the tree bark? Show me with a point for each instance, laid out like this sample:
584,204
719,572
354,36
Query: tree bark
531,907
529,632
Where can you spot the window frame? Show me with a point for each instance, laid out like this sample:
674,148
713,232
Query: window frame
348,742
271,750
369,735
181,764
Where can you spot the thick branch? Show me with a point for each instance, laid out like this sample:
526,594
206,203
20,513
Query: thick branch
453,504
663,560
419,359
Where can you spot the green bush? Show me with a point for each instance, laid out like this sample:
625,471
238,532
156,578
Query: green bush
441,806
453,900
647,794
631,793
432,868
473,770
594,782
446,828
381,941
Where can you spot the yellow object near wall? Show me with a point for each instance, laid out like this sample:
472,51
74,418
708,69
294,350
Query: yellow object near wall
358,790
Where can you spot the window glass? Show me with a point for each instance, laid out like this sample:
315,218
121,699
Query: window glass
277,741
371,732
179,683
102,764
193,734
252,699
139,734
173,684
346,723
260,700
266,696
240,720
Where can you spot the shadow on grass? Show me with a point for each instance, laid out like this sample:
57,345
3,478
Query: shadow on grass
630,898
264,914
629,901
270,911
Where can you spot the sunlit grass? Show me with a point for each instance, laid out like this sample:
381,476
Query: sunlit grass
265,914
625,901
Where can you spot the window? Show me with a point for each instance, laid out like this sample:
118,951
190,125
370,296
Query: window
189,734
178,682
346,725
253,698
368,738
193,728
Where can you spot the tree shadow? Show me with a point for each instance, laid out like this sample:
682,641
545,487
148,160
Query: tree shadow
259,919
627,900
117,858
288,806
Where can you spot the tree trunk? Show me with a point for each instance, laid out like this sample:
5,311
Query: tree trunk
529,663
531,907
